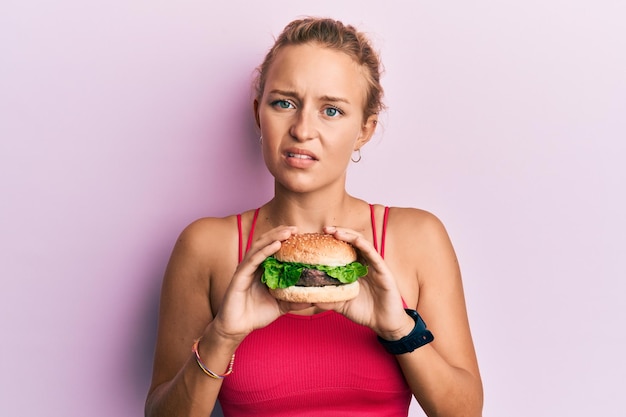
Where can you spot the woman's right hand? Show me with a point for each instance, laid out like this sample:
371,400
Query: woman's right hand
247,304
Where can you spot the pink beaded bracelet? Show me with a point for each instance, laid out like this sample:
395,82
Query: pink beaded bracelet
206,370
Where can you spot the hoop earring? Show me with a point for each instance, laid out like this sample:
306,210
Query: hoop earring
358,159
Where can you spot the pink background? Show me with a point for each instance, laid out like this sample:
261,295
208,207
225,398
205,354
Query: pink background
123,121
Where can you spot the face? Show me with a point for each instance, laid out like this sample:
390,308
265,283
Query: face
311,116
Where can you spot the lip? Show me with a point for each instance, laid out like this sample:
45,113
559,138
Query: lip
299,158
301,153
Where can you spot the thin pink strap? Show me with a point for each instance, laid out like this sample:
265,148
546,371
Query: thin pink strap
374,227
384,234
240,231
256,215
240,237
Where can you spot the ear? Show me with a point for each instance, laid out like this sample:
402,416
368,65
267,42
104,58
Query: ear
367,131
256,113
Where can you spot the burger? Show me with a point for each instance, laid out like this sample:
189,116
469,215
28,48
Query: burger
313,268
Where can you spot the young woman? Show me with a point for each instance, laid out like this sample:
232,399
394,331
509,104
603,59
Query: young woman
222,335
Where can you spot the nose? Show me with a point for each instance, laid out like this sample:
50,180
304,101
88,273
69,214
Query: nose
303,127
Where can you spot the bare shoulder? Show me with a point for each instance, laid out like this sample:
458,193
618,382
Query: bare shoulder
208,238
416,225
417,242
200,251
205,257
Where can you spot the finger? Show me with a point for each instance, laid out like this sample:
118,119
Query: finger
343,233
279,233
268,240
365,247
261,249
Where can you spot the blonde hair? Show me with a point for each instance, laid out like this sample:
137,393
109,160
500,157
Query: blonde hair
335,35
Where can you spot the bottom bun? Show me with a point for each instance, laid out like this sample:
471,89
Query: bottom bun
326,294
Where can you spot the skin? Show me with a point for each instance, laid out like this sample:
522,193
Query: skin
311,119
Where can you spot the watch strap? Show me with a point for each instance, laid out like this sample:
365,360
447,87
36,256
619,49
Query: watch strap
418,337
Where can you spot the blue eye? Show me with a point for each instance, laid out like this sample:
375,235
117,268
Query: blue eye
332,111
283,104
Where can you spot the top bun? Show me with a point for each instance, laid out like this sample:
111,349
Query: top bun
316,249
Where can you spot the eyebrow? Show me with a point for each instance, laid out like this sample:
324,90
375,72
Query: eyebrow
322,98
335,99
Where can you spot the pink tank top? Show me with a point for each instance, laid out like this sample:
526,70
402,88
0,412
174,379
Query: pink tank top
319,365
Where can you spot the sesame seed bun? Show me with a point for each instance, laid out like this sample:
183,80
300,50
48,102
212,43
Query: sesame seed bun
316,249
326,294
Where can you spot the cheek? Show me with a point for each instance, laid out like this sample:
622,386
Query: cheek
350,137
273,125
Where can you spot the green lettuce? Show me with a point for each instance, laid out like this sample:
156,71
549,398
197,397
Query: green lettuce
278,274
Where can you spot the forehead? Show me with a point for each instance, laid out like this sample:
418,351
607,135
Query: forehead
315,69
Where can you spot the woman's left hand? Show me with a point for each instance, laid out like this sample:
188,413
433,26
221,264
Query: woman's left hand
379,303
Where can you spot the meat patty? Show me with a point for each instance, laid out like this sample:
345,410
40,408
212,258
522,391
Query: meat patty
316,278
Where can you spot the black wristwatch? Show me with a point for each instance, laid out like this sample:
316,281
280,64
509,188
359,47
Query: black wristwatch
418,337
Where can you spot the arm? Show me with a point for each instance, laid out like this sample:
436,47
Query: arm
443,375
420,265
196,283
179,388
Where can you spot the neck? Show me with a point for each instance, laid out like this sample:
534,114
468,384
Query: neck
310,212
